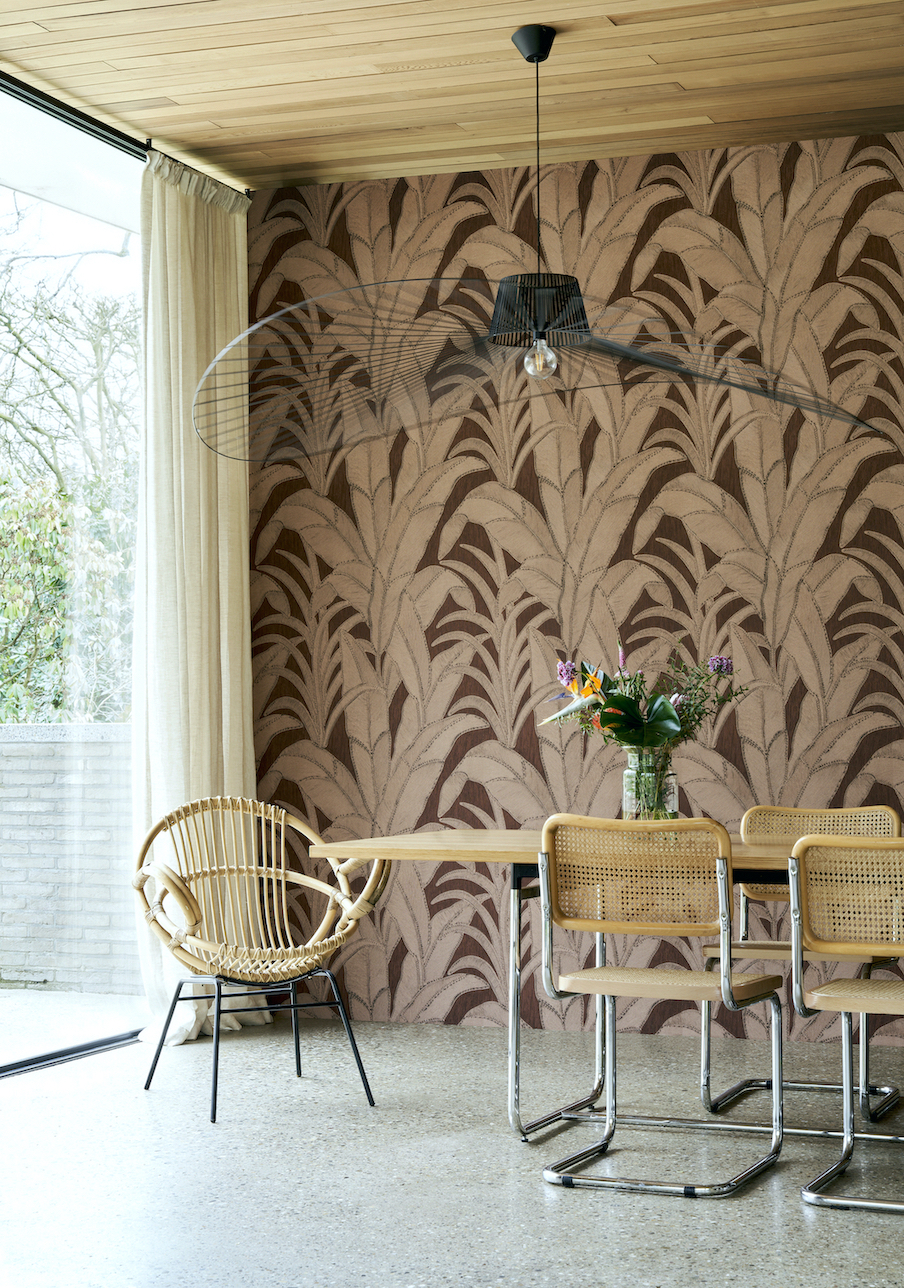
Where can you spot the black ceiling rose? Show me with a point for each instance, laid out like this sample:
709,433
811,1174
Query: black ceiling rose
534,42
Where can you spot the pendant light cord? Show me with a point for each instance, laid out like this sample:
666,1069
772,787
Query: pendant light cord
537,69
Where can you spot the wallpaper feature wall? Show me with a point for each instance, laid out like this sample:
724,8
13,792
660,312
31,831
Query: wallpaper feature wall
412,594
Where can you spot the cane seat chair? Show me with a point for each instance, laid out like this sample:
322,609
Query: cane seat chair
228,902
847,900
784,823
663,878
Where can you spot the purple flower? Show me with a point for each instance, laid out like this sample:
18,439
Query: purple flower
720,666
566,672
622,660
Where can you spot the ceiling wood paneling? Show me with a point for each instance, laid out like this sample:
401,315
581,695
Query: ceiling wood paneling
272,92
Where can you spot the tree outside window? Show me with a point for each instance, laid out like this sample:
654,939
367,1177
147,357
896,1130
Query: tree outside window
69,417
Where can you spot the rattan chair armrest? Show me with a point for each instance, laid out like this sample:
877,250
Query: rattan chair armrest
191,950
354,864
304,828
173,885
365,902
375,883
313,883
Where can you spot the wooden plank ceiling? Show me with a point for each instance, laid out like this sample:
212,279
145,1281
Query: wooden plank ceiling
270,92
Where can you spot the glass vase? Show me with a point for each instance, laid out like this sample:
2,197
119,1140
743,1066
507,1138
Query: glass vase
649,787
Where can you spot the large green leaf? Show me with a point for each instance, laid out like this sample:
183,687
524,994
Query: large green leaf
625,721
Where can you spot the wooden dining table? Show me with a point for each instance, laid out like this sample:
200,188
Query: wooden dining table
763,862
522,845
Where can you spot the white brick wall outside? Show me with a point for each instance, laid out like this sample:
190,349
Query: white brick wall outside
67,909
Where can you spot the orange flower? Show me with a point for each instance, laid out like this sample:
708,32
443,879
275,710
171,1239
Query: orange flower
597,722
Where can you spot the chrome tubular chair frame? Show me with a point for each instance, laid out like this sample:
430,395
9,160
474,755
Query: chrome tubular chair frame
882,996
774,821
517,899
617,982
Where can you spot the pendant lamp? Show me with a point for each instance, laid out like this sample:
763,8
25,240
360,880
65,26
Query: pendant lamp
370,361
534,309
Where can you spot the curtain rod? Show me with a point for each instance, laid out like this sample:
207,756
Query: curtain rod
72,116
82,121
194,169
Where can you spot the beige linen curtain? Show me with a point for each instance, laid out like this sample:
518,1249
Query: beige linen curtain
192,726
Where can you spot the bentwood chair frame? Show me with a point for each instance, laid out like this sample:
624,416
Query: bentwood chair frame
763,822
663,878
847,894
225,907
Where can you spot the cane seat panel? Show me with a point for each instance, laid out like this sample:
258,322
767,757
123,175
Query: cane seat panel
852,895
867,997
666,984
762,821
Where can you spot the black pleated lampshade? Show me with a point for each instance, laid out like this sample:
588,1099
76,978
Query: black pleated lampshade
539,304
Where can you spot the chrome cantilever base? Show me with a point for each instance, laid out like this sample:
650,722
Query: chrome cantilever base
562,1173
526,872
813,1193
869,1112
583,1109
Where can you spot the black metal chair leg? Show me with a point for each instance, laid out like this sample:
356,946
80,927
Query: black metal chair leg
218,985
293,994
217,1010
348,1030
165,1029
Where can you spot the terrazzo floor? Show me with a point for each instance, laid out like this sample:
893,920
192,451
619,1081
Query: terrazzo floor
300,1184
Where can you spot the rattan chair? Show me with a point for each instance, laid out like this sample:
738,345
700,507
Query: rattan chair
228,901
654,878
847,899
777,822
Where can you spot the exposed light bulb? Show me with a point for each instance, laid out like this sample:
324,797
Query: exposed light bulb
540,361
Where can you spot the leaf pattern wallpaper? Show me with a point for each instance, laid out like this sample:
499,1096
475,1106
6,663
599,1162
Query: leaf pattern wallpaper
412,594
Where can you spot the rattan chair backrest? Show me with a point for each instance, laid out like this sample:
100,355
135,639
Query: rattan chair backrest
619,876
230,896
852,894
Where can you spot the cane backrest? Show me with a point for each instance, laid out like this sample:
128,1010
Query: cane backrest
229,897
762,822
618,876
852,895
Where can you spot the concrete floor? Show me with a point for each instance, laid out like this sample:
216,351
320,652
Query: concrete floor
301,1185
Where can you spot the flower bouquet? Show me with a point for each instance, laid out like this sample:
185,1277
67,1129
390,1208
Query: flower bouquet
649,722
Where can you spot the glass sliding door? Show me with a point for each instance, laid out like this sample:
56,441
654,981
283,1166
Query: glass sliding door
69,427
